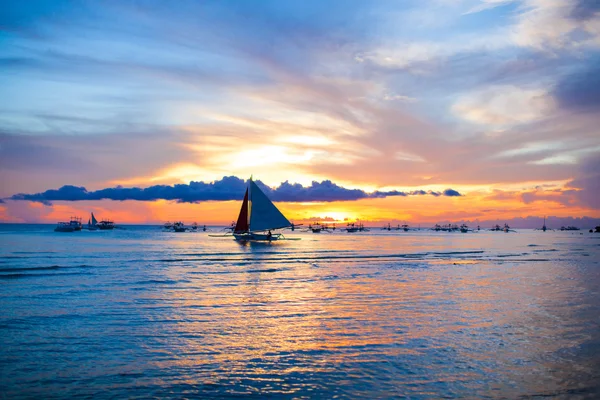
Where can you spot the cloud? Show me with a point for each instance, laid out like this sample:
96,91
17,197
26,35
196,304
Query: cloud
587,183
504,105
488,5
580,90
558,24
451,193
228,188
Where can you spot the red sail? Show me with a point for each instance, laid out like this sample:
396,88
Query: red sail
242,222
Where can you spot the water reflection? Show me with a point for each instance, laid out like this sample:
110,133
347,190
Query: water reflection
416,315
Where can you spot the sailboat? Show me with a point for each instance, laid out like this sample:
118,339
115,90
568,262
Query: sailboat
544,227
258,217
91,225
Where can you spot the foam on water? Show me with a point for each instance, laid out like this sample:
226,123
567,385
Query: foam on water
145,313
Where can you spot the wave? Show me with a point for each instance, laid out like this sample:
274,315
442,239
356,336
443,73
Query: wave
18,275
332,257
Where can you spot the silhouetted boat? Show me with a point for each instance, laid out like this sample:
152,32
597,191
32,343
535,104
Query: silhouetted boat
64,227
316,227
356,227
258,217
106,225
569,228
179,227
92,224
75,223
544,226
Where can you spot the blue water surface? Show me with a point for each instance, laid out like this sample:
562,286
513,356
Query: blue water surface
142,313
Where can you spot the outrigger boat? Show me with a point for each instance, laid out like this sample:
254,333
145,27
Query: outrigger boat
258,217
179,227
316,227
106,225
64,227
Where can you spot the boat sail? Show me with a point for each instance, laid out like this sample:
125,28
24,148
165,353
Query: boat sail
257,216
92,223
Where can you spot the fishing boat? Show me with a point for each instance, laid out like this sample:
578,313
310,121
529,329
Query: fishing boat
352,227
316,227
106,225
179,227
405,228
75,223
64,227
168,225
258,217
569,228
464,228
92,223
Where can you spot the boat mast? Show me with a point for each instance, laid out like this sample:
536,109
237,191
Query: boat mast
249,203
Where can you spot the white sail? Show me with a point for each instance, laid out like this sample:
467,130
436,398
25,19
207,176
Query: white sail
94,222
263,214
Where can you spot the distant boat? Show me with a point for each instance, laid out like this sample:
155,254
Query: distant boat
464,228
105,225
75,223
92,224
316,227
352,227
64,227
258,217
544,227
569,228
167,225
179,227
405,228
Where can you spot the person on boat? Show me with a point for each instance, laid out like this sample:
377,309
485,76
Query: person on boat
269,235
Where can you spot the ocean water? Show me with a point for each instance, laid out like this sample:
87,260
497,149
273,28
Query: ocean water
141,313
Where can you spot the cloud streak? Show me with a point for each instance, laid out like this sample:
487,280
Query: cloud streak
228,188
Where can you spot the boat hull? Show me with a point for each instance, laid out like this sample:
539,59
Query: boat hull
251,236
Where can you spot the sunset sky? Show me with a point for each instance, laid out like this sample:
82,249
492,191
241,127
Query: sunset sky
409,111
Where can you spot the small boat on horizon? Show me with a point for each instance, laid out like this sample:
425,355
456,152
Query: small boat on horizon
352,227
179,227
64,227
92,224
105,225
316,227
569,228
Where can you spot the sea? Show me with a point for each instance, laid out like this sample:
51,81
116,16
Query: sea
138,312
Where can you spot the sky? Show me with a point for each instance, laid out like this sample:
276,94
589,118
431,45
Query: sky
403,111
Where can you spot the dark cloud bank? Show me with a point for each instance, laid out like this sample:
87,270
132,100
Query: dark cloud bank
228,188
